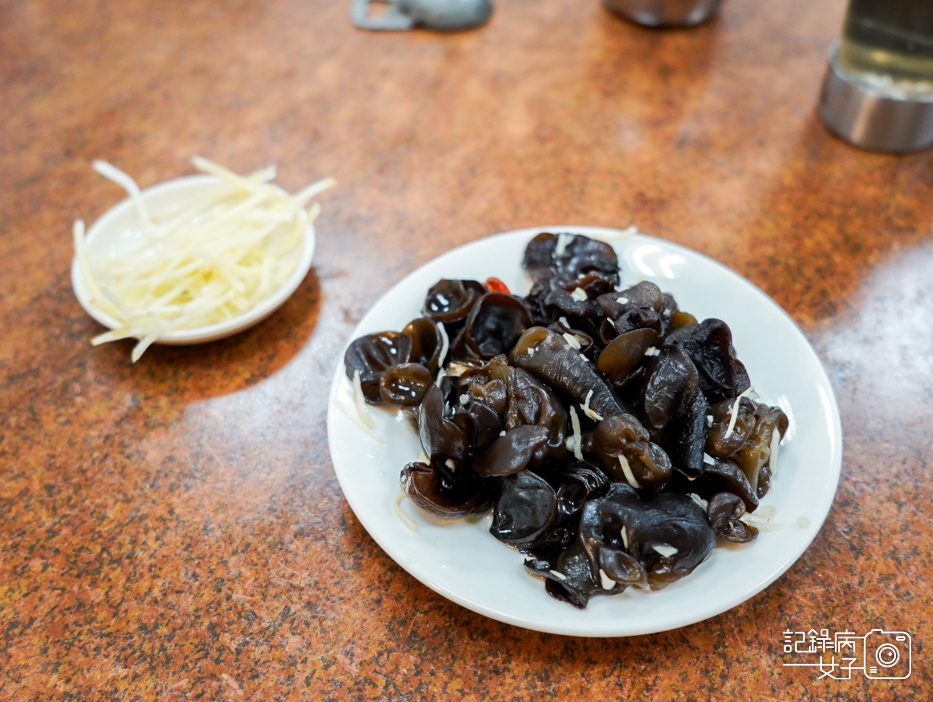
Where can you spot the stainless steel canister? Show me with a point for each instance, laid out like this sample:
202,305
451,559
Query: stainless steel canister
664,13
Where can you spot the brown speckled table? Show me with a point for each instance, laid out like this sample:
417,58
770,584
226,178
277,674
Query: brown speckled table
174,529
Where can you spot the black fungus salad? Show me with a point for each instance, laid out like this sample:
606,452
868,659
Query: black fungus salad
613,436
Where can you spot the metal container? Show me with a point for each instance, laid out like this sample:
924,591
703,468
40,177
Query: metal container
878,90
442,15
872,115
664,13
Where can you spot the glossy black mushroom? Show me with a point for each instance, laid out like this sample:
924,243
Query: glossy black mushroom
532,402
438,494
479,422
670,312
709,345
488,384
578,297
538,511
519,399
685,436
568,576
679,320
725,476
521,447
642,294
670,375
731,425
451,300
624,353
637,307
577,482
494,324
574,335
674,410
525,511
427,342
550,358
443,441
372,355
626,453
561,301
761,447
568,256
625,541
669,534
724,512
405,384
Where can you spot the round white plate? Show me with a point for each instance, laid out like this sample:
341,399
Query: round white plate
119,231
463,562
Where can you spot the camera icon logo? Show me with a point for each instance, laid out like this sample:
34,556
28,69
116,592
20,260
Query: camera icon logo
886,655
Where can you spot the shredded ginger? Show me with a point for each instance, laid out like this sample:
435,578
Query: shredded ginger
214,258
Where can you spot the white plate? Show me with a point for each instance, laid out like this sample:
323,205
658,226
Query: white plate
466,564
119,230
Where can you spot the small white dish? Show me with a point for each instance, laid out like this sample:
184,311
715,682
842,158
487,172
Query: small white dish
463,562
119,230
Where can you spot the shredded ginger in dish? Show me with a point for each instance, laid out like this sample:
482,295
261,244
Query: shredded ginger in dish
213,258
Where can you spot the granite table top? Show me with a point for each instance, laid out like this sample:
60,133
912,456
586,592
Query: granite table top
174,528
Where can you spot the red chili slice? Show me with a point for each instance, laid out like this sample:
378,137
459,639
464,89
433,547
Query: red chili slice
496,285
